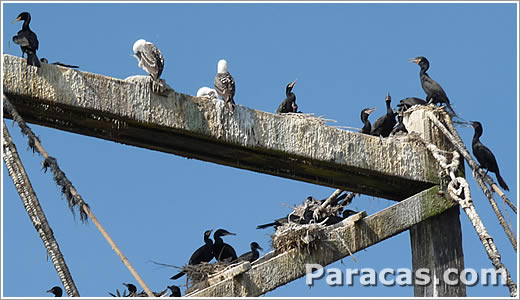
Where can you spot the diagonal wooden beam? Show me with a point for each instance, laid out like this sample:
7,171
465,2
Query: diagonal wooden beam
291,146
288,266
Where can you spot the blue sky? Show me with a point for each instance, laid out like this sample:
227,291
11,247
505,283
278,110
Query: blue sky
346,57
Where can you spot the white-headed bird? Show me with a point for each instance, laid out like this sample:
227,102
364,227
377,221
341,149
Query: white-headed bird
225,84
149,58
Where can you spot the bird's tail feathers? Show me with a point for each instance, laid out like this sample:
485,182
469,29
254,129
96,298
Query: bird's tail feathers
32,59
502,183
265,225
177,276
451,110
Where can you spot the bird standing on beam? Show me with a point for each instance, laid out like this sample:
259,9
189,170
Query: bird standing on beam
434,92
27,40
367,127
289,103
383,126
149,58
225,84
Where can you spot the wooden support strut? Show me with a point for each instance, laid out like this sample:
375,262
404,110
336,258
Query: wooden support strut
349,236
38,146
32,205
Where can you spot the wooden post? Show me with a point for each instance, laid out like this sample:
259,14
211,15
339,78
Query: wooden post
436,242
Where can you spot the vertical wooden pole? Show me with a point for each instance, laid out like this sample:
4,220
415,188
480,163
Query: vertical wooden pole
436,242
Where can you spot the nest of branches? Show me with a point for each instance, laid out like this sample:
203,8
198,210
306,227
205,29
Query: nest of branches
201,272
299,236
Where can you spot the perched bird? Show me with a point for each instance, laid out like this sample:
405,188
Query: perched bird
132,289
56,290
400,126
367,127
406,103
176,291
203,254
434,92
289,103
383,126
149,58
207,92
45,61
222,251
225,84
484,156
252,255
27,40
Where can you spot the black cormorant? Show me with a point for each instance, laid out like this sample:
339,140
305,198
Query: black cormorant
56,290
252,255
383,126
27,39
367,127
225,84
434,92
406,103
222,251
203,254
176,291
289,103
132,289
400,126
484,156
149,58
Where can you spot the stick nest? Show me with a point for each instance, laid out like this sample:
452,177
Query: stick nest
292,235
201,272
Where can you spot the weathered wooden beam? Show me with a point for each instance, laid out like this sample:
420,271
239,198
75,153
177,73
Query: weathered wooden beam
291,146
436,242
290,265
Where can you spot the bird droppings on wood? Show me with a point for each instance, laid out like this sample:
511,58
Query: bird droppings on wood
295,146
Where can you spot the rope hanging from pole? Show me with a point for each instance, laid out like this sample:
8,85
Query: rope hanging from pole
73,197
458,189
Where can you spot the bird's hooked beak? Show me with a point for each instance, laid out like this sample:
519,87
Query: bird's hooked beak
370,110
16,20
229,233
388,97
292,83
48,291
414,60
260,248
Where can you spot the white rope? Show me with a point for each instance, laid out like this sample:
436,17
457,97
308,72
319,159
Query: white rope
458,189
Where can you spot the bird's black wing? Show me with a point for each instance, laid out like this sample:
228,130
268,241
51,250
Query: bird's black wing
284,107
21,40
376,127
248,256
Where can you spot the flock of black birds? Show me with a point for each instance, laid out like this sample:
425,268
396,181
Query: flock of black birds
152,61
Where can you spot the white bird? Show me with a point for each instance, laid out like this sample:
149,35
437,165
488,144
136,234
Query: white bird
149,58
207,92
225,84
